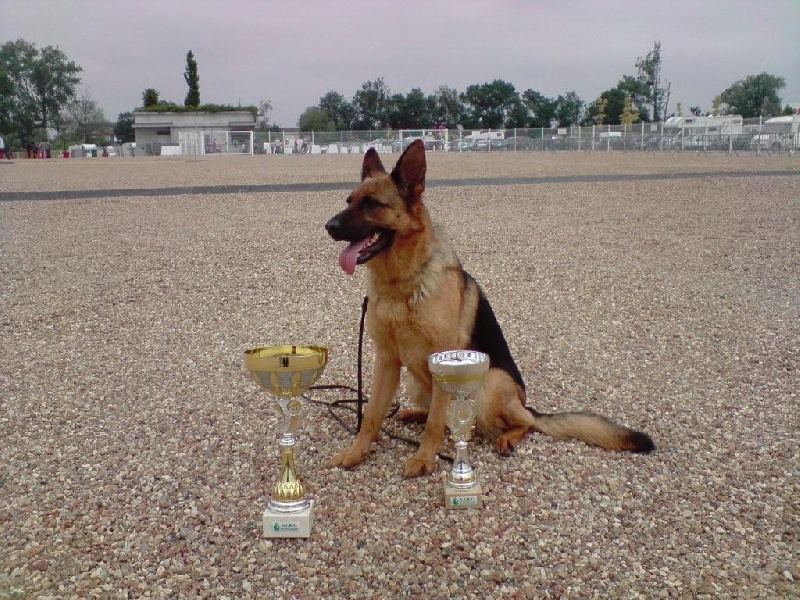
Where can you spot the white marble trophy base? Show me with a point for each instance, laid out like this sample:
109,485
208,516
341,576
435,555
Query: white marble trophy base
289,525
461,498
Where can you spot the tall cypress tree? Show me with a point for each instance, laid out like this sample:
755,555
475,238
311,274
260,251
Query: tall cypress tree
193,80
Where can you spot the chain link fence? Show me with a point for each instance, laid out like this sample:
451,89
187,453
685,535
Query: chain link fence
702,134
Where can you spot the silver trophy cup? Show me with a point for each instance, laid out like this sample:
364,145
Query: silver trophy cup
460,373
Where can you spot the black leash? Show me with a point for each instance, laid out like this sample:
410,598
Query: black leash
360,398
359,376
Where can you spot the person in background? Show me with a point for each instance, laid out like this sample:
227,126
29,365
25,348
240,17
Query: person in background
5,152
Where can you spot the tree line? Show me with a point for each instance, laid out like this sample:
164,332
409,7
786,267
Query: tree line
40,92
644,96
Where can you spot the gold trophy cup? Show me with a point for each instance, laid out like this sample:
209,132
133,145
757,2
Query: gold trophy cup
460,372
286,372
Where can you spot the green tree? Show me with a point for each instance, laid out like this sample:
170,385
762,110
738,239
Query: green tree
262,115
394,111
124,128
42,83
755,96
518,115
447,108
83,120
414,110
716,105
8,104
340,110
315,119
192,80
542,109
150,97
568,109
419,108
370,104
656,93
488,105
629,114
607,109
596,111
638,92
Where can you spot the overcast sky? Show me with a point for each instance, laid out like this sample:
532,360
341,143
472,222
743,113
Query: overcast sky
293,52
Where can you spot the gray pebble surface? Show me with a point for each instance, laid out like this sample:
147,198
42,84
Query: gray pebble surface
137,455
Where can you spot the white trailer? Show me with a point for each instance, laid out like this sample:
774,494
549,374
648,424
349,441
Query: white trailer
703,132
778,133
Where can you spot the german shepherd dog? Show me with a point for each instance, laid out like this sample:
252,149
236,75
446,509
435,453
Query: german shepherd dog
422,301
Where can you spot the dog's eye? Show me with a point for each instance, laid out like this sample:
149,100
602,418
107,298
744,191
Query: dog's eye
369,203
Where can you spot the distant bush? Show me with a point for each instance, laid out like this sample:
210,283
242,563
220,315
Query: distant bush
210,108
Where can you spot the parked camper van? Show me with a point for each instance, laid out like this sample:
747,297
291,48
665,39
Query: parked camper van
707,133
778,133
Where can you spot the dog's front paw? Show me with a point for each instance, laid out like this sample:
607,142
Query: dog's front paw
419,465
349,457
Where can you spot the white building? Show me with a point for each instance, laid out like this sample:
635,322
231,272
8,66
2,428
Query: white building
156,129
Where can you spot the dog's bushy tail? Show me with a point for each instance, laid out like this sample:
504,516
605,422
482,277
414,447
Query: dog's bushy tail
591,429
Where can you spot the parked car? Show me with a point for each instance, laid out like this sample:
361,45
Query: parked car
520,143
461,145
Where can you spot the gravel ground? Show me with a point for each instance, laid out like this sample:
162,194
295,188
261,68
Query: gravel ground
137,455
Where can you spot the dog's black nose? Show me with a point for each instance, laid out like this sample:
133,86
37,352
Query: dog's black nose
333,225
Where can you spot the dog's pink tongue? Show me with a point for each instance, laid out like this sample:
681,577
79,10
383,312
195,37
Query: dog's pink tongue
349,256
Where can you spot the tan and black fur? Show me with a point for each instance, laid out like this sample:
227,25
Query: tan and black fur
422,301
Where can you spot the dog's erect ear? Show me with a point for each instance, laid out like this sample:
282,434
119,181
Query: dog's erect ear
372,165
409,172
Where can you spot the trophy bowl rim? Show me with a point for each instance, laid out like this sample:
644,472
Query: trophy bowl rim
454,378
476,369
265,365
268,359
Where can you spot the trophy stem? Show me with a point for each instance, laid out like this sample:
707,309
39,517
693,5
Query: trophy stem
287,435
288,494
462,475
290,410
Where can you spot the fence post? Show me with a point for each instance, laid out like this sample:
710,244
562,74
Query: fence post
641,139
